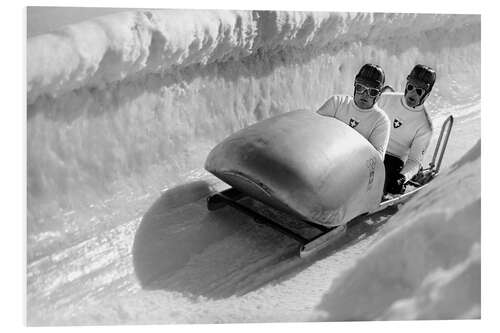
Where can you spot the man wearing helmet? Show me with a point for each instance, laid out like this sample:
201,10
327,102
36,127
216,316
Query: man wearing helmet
361,112
411,128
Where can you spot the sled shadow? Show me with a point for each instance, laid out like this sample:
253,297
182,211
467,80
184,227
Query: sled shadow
176,227
365,226
182,247
359,229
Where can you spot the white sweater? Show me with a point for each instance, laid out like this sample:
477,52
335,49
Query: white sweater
411,131
372,123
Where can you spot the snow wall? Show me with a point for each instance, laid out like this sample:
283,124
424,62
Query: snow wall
426,262
129,103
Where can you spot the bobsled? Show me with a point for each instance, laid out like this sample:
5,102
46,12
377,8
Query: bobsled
310,166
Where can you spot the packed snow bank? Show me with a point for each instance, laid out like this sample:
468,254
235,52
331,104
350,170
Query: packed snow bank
426,263
114,47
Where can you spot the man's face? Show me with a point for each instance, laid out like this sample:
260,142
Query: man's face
415,93
365,96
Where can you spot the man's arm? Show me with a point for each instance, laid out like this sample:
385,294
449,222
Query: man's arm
379,137
330,107
418,148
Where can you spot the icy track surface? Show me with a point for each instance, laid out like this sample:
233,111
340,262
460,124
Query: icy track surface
122,110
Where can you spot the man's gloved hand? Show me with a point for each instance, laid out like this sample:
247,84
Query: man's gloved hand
398,186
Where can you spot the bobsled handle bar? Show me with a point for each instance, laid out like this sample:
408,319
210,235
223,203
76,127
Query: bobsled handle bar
425,175
441,145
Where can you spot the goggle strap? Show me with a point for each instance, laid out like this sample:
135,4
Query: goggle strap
387,88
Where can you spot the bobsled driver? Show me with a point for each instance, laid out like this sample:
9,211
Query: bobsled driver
361,112
411,128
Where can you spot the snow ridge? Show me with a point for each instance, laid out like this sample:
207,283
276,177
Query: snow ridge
129,44
426,262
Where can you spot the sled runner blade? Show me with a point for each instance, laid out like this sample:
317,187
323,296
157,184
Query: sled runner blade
397,200
308,246
258,218
322,241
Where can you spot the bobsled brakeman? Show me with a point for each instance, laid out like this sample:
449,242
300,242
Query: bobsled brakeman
314,168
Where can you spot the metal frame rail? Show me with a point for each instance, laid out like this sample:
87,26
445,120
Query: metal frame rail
446,130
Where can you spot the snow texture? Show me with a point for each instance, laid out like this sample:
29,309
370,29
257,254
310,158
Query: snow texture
127,45
122,111
426,263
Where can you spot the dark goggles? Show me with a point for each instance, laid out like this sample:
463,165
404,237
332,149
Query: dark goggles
420,91
360,89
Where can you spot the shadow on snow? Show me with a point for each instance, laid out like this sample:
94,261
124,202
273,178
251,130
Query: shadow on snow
182,247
